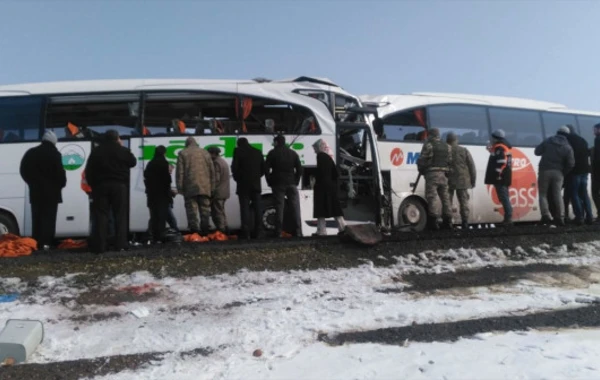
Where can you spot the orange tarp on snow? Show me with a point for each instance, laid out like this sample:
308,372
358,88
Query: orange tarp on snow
15,246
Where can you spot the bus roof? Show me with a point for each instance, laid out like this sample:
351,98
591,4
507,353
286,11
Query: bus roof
282,90
428,98
121,85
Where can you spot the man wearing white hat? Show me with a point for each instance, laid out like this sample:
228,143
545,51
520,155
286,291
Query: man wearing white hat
42,170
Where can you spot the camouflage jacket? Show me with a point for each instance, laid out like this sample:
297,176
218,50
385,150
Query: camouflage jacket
195,172
435,155
462,172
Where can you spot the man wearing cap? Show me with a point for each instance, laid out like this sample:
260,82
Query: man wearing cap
42,170
499,172
462,177
107,172
221,192
195,178
283,172
434,164
247,168
557,161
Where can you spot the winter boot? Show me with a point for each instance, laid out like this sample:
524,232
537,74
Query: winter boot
433,224
447,225
545,221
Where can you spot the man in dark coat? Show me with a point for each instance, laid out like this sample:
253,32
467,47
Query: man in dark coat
158,192
326,203
247,168
596,170
499,172
107,172
42,170
578,178
557,161
283,172
221,193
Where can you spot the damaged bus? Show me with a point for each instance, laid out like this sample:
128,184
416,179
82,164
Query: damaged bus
149,113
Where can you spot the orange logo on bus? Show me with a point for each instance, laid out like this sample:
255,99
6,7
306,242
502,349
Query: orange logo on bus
523,190
397,156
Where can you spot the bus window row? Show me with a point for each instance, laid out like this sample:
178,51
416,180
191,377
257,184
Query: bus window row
23,118
473,124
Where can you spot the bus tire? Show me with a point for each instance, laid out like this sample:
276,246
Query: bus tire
269,214
8,224
413,213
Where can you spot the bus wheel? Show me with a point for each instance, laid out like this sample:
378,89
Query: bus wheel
269,214
412,213
8,224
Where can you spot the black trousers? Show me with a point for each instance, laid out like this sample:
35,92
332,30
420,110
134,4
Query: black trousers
596,193
293,197
159,212
43,222
109,197
250,229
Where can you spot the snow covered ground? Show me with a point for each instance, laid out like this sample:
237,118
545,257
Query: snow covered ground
282,314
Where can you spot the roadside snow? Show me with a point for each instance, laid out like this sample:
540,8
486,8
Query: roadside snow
282,313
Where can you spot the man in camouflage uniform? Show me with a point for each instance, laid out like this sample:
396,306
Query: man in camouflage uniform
434,164
195,178
462,177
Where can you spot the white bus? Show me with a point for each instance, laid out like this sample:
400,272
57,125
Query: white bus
148,113
405,118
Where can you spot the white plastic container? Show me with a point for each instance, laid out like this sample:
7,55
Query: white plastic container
19,339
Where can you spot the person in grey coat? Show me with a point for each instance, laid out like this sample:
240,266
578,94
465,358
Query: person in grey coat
557,161
221,193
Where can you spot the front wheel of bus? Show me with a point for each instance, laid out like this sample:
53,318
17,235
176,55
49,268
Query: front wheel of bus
8,224
413,214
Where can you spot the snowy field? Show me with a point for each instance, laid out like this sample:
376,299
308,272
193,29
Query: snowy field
283,314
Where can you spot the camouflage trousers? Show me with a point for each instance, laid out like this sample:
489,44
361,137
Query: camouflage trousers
217,211
199,204
436,190
463,202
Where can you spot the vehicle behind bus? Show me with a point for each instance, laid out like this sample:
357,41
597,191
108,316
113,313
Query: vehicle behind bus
401,128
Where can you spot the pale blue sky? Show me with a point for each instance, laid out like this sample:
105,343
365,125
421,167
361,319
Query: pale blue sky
546,50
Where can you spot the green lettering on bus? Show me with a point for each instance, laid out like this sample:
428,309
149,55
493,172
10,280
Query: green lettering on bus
227,146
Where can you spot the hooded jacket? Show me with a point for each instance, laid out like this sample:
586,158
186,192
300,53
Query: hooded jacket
158,180
556,154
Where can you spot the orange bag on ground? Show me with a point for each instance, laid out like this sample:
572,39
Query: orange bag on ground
71,244
15,246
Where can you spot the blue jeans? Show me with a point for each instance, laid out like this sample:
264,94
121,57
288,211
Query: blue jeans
502,191
580,197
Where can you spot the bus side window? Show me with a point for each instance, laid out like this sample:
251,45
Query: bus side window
468,122
20,118
188,113
522,127
406,125
84,116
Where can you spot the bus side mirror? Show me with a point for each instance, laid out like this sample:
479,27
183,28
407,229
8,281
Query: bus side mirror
378,127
